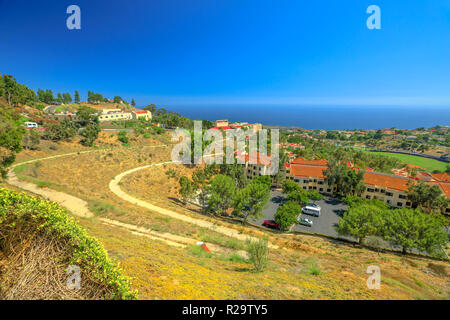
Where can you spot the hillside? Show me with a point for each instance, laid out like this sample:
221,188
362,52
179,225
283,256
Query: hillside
303,267
38,244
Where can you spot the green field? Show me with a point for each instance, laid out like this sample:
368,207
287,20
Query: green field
429,164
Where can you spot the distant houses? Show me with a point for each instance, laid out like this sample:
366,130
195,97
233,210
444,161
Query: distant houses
225,125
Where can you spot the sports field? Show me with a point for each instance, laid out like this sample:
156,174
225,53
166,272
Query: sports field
429,164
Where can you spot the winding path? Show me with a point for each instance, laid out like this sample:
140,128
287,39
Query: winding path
80,207
115,188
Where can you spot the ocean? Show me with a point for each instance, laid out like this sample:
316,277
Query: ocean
322,117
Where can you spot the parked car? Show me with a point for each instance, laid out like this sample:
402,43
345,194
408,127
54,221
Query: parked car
313,211
305,222
271,224
313,205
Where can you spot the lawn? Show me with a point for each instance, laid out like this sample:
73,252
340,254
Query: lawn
426,163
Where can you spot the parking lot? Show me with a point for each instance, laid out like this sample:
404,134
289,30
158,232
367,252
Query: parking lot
329,214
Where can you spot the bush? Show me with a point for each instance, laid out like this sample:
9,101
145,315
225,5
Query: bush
258,253
287,214
123,137
315,195
90,134
60,131
20,213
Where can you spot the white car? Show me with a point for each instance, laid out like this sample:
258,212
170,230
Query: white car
305,221
313,211
313,205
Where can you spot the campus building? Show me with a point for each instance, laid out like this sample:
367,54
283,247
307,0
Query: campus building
309,175
114,115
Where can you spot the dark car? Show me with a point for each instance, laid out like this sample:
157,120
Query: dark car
271,224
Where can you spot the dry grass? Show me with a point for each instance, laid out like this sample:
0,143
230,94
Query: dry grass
163,272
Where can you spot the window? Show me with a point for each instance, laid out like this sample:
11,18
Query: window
399,204
401,196
368,197
408,203
328,190
389,194
306,181
321,189
320,182
305,188
382,191
370,190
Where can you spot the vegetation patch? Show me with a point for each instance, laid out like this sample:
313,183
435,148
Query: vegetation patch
40,242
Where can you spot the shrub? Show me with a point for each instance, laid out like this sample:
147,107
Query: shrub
287,214
258,253
21,213
123,137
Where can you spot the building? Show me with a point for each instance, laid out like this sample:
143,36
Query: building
221,123
114,116
141,114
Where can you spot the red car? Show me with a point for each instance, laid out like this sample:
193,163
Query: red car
271,224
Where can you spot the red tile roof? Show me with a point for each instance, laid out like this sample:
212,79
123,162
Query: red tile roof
303,161
442,176
390,182
307,171
446,188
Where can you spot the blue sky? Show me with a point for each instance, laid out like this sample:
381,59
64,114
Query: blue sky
233,51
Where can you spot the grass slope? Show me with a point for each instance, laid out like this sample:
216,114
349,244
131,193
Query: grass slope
428,164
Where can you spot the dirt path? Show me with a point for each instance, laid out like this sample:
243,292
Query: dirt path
80,208
115,188
75,205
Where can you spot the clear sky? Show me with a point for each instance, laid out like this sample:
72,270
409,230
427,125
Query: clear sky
233,51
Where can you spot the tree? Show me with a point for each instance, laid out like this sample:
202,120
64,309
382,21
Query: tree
346,181
258,253
86,114
31,140
251,200
299,196
16,93
221,193
10,137
60,131
427,198
66,97
290,186
287,214
360,222
122,137
90,134
265,180
133,103
412,228
117,99
187,188
315,195
77,97
46,96
151,108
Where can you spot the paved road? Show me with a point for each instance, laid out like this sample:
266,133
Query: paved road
324,224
